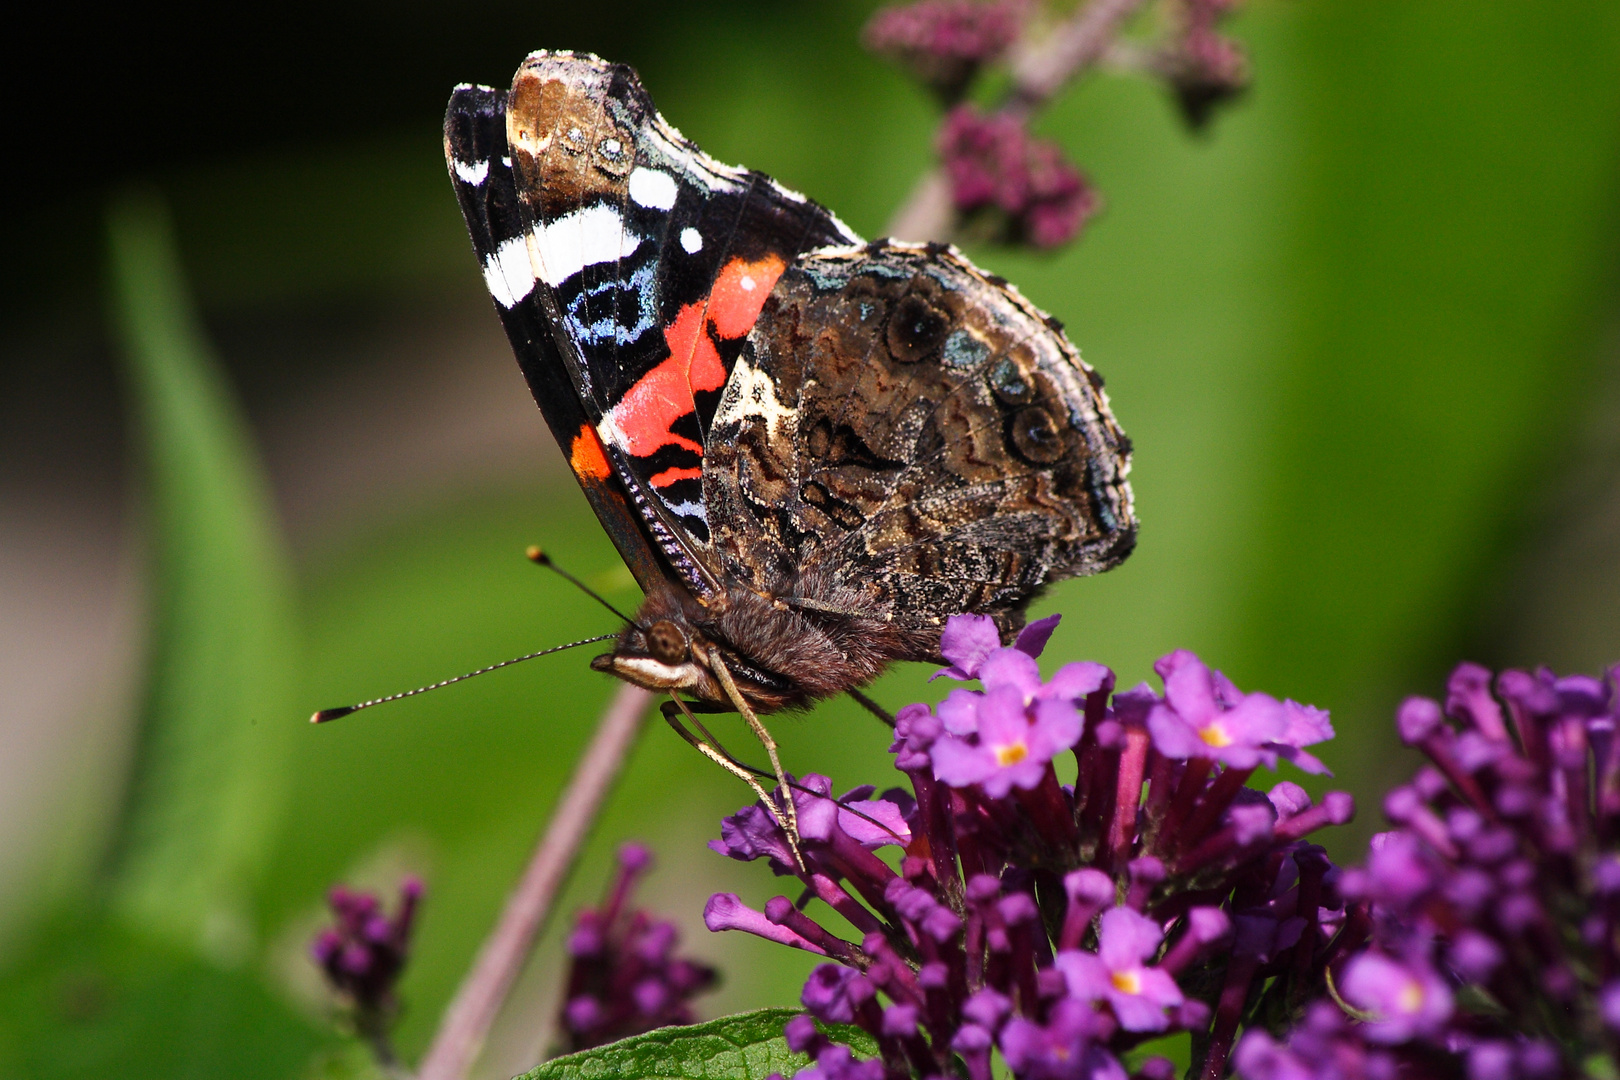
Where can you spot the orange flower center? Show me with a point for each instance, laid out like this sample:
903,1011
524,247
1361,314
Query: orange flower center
1011,754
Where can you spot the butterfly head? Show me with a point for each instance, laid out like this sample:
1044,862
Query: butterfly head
674,644
657,655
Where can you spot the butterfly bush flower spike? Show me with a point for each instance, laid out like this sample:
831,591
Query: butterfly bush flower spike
624,977
1055,926
1204,68
1489,916
944,43
999,171
363,955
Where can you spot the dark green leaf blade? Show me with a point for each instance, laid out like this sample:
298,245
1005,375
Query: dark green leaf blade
747,1046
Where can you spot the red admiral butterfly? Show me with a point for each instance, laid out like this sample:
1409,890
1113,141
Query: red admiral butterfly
808,449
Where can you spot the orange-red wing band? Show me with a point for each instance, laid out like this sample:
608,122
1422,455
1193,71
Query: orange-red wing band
650,408
586,457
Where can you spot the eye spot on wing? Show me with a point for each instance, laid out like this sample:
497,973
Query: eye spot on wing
586,457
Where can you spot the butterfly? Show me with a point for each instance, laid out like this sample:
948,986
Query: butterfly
809,450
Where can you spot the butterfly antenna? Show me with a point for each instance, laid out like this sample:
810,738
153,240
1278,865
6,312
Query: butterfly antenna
344,710
537,555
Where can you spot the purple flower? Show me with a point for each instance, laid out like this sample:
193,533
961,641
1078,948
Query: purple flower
944,42
1195,721
624,977
1026,915
1499,883
1138,994
834,824
1066,1046
967,640
1401,1000
1011,749
994,164
1007,735
364,954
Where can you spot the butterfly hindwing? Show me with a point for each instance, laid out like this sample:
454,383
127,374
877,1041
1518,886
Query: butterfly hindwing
905,436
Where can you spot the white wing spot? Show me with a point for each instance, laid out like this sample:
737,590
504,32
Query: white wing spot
751,394
747,283
508,274
691,240
584,238
652,188
473,173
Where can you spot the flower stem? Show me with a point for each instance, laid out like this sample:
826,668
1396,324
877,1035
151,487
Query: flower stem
478,1002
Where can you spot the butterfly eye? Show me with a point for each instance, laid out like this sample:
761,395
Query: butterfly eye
916,330
666,643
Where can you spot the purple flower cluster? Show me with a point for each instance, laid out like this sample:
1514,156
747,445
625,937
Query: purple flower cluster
1493,908
997,168
945,42
1203,66
365,953
1059,925
624,978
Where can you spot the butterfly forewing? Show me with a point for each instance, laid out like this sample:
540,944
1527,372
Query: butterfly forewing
658,259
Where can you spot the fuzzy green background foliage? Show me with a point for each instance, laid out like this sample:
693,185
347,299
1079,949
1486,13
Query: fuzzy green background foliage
1349,330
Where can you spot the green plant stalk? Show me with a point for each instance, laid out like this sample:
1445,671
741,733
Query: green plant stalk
204,795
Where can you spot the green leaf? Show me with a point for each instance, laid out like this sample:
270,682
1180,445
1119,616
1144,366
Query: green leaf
747,1046
205,796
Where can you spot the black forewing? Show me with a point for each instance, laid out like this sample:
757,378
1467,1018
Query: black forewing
480,168
659,229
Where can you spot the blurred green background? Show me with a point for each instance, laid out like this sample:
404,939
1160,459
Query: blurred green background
1363,334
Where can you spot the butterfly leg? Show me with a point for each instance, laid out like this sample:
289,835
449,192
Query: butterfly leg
873,707
720,756
723,674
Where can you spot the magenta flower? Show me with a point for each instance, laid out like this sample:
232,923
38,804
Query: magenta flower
1402,1000
624,977
1203,66
995,165
364,955
1055,925
944,42
1205,716
1138,994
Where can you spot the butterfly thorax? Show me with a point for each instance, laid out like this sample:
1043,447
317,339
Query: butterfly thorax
781,652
